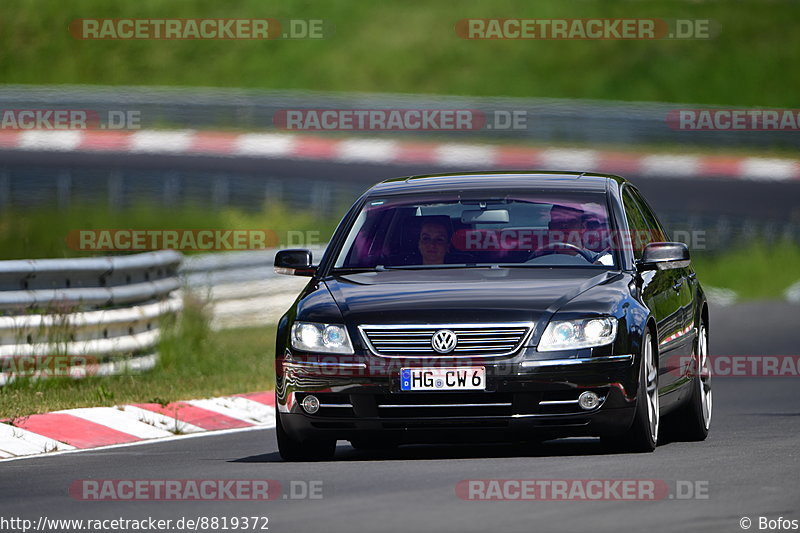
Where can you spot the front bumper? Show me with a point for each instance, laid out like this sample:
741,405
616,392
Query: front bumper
523,398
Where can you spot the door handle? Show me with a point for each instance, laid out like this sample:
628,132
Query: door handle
677,285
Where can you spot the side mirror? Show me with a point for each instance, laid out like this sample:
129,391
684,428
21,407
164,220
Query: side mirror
663,256
294,263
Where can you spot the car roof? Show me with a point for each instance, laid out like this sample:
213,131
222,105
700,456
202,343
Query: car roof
541,180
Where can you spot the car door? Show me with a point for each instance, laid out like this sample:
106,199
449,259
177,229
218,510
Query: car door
681,342
661,290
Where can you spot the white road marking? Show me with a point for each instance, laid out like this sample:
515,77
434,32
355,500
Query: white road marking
239,408
57,140
559,159
760,168
264,144
140,442
161,141
172,424
115,419
16,441
451,154
677,166
376,150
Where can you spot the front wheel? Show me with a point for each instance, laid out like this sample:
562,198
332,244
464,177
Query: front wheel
293,450
643,433
693,421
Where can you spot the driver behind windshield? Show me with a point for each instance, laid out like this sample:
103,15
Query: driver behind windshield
395,233
597,238
564,219
564,226
424,240
434,242
584,229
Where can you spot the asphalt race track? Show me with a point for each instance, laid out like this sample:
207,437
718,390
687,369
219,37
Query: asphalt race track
747,467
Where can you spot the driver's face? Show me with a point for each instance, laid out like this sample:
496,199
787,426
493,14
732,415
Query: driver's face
564,219
433,243
595,233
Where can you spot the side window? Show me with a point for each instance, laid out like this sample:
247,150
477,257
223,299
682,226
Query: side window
640,233
656,229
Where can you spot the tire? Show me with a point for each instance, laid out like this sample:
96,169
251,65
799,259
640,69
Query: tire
642,436
692,422
294,450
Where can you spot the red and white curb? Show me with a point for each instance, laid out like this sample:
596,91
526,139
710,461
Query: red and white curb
92,427
385,151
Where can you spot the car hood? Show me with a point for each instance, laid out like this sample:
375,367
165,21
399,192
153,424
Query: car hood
459,295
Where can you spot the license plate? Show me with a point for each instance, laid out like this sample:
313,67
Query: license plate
462,378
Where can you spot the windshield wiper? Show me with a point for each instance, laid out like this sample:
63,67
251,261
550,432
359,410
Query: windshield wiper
546,265
435,267
491,266
353,270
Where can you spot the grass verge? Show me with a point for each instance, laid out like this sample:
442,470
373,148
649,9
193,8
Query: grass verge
756,271
412,46
43,231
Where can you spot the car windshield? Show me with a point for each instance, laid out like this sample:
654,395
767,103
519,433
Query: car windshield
440,231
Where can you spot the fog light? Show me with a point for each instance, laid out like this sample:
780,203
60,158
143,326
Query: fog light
310,404
588,400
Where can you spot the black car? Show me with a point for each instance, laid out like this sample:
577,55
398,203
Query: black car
516,306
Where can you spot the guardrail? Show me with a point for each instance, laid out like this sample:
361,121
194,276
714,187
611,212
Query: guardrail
103,311
548,119
241,288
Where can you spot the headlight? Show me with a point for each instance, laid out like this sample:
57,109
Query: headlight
574,334
321,338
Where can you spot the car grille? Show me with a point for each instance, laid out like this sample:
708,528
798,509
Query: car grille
473,340
424,405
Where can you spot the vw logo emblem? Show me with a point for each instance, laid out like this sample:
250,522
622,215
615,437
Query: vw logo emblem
444,341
